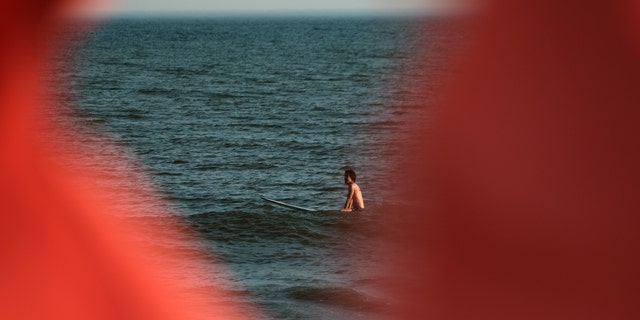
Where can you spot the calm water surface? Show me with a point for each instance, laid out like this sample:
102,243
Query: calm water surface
220,111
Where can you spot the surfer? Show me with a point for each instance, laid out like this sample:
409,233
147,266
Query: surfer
354,200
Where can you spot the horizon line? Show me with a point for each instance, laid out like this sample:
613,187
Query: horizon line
232,13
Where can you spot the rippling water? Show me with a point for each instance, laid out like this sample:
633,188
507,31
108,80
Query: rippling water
220,111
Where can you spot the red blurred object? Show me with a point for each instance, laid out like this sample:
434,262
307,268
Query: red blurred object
66,251
533,164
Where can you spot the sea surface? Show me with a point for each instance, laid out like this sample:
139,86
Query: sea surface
220,111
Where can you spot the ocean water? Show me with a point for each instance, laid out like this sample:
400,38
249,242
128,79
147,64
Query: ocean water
219,111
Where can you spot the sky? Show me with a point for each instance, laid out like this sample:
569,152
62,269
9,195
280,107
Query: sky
278,6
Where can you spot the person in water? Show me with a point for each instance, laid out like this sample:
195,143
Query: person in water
354,200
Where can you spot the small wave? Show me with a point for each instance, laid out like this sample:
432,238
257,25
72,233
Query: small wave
260,80
332,189
133,116
319,109
387,123
95,120
282,226
154,91
118,62
182,71
261,125
359,78
222,95
339,296
167,173
206,167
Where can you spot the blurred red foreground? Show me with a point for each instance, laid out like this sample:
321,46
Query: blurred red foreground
65,255
532,160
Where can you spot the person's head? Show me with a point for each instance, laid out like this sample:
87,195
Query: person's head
349,176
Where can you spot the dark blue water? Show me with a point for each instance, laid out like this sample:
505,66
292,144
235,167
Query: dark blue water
220,111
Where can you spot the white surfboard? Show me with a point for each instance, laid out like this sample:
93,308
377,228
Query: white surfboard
280,203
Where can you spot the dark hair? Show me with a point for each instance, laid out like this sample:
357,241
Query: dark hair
351,174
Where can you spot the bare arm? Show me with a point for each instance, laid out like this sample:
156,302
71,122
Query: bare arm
349,202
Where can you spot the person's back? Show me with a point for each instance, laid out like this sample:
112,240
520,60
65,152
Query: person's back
354,201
